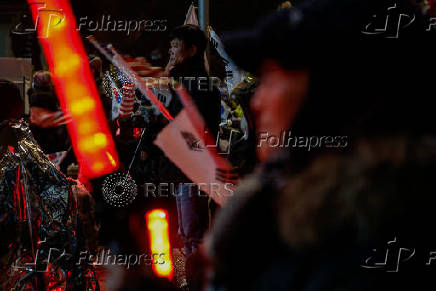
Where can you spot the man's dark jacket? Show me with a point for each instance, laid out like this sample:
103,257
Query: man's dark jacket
206,98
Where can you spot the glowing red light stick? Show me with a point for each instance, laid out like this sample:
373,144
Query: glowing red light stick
75,86
158,233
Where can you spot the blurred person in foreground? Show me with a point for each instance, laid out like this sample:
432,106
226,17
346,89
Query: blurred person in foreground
322,216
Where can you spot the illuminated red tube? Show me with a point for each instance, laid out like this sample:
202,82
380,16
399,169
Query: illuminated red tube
75,87
159,238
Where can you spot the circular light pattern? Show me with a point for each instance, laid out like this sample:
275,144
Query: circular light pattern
119,190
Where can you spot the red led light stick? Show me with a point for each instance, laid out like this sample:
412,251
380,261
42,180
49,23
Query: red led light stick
158,233
75,86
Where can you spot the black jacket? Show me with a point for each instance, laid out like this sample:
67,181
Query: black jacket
197,82
329,226
52,139
208,104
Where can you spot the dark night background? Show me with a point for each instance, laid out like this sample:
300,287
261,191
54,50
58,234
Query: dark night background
225,15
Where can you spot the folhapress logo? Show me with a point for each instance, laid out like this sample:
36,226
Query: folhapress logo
393,21
389,24
55,18
105,23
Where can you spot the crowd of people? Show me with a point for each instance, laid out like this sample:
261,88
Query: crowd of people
300,219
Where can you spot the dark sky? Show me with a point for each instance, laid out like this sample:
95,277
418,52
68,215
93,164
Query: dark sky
225,15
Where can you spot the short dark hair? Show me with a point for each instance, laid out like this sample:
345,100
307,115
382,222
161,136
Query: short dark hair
12,105
191,35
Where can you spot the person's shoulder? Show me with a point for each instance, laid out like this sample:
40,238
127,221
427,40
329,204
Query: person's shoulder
234,215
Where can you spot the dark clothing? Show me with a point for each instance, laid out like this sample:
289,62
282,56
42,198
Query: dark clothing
51,139
43,98
193,217
206,97
208,104
329,226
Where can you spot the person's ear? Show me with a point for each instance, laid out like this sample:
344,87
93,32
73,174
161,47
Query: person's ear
192,50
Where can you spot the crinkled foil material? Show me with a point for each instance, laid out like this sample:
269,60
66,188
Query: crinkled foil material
39,242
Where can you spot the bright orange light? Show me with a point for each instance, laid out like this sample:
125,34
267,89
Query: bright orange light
94,143
57,22
68,62
97,166
86,127
75,87
86,145
100,140
82,106
111,159
158,233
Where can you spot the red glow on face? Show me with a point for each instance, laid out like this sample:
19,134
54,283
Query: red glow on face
158,233
75,87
